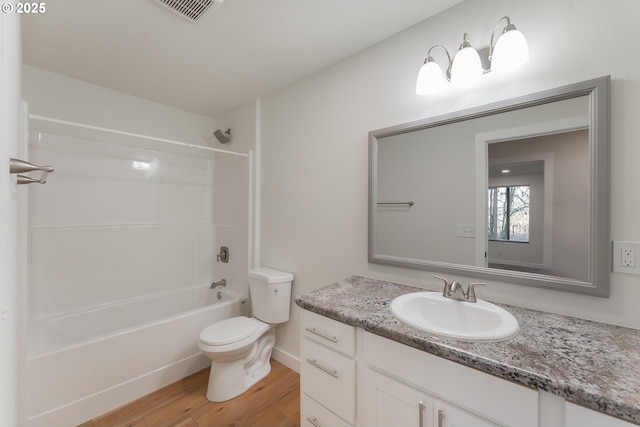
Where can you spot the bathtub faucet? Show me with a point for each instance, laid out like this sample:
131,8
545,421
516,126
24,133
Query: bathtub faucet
219,284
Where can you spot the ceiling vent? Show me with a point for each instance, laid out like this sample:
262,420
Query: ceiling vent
191,10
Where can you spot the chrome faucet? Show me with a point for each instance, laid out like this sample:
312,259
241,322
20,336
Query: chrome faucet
219,284
456,291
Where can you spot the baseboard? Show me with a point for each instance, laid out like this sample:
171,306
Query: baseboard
287,359
92,406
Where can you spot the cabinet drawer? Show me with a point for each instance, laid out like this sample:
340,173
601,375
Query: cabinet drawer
312,414
328,332
329,378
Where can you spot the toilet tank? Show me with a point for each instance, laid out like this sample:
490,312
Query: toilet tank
270,294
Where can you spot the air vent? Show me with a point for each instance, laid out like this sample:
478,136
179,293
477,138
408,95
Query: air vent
191,10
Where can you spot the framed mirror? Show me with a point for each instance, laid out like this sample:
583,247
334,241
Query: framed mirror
515,191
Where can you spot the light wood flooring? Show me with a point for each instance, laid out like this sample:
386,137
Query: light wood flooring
274,401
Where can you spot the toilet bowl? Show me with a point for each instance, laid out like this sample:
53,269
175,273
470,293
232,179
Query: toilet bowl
233,345
240,347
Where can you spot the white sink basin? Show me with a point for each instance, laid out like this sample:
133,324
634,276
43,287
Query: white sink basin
431,312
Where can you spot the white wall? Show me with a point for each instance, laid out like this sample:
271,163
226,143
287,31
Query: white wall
314,179
55,95
10,60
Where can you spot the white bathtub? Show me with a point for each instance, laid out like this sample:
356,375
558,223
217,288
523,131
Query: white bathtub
86,363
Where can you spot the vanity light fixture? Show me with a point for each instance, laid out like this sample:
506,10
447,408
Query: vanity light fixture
509,52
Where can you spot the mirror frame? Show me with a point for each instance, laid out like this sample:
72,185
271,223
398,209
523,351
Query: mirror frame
599,252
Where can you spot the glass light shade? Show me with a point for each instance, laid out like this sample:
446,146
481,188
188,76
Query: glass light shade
467,67
511,51
430,79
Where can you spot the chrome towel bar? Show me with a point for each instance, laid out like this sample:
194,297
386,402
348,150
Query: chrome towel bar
411,203
17,166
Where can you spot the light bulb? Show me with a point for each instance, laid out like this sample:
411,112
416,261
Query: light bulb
511,52
467,67
430,78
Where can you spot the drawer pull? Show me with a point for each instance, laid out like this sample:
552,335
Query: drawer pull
331,372
322,335
314,421
420,414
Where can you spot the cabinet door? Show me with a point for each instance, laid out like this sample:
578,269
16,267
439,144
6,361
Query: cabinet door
449,416
390,403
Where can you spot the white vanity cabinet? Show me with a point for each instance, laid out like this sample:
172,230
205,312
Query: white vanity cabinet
327,372
452,395
350,377
398,385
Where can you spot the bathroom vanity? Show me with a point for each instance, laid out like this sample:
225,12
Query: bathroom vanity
360,366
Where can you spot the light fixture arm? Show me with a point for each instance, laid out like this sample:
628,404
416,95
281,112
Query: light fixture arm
508,27
465,41
429,58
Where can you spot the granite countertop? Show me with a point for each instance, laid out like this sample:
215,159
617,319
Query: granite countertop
592,364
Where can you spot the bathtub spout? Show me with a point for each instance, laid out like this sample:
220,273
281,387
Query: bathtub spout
221,283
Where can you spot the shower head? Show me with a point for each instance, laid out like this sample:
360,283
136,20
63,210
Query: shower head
223,136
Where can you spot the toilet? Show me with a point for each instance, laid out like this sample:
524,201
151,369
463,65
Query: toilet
240,347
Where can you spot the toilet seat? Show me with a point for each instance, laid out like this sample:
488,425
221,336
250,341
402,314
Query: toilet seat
231,338
229,331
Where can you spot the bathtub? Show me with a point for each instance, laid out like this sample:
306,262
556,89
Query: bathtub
86,363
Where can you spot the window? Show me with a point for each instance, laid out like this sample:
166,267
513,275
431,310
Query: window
508,217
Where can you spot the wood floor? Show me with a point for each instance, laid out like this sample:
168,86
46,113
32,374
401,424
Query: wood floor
274,401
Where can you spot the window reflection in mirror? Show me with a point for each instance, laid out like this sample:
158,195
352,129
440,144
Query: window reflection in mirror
508,213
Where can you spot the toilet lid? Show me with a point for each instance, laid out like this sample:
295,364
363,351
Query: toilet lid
229,331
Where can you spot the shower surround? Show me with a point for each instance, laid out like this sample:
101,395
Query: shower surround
121,226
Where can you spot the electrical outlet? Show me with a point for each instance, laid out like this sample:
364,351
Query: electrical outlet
624,257
628,257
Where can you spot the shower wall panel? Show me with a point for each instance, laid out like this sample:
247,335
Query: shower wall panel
115,222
